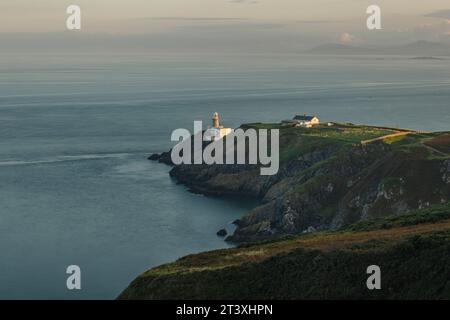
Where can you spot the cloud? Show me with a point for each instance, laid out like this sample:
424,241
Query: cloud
433,32
442,14
346,38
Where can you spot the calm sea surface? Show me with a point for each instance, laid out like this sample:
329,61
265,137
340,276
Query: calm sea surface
75,131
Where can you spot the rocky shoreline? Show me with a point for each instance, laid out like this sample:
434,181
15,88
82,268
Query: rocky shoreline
412,247
326,183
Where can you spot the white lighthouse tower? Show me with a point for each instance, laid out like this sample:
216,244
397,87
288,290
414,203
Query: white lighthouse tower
217,131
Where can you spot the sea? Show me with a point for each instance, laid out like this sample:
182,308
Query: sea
76,187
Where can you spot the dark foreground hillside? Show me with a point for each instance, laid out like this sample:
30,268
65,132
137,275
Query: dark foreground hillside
413,251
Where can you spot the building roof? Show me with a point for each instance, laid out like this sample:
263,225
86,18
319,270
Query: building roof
304,118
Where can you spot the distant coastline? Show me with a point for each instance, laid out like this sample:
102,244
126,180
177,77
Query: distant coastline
427,58
418,49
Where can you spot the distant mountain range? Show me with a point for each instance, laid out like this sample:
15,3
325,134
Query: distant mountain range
419,48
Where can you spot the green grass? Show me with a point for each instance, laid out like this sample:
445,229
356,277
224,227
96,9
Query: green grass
267,126
317,165
295,141
298,141
428,215
350,135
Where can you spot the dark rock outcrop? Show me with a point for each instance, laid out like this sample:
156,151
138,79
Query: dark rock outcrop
222,233
154,157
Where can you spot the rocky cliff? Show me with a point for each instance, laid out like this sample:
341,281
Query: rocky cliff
412,250
329,179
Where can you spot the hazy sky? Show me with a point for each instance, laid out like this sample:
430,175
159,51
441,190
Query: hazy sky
308,21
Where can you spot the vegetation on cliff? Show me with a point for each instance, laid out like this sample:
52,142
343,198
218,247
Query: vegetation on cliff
413,251
346,197
331,177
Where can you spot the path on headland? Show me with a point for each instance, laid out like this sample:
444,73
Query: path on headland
404,133
392,135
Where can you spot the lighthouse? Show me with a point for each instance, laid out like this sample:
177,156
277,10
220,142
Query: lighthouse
216,121
216,132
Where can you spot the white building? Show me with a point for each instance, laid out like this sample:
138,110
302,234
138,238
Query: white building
303,121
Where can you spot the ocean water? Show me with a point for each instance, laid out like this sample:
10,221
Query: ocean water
75,131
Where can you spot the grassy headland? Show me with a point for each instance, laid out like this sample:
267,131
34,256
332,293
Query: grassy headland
346,197
330,177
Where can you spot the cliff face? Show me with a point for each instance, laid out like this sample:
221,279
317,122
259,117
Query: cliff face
383,202
328,179
412,250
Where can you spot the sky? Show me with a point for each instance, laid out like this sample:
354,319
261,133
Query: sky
265,22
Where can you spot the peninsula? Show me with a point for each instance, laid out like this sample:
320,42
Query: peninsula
344,195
